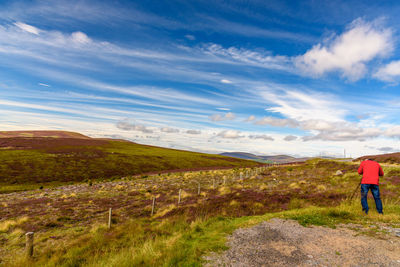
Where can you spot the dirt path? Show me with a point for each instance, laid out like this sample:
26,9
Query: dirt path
286,243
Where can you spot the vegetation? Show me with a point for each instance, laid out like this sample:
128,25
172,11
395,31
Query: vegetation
26,163
70,222
391,158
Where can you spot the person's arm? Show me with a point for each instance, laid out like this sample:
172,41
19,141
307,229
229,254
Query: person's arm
360,169
380,171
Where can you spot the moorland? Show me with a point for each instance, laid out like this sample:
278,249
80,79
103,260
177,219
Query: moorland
194,210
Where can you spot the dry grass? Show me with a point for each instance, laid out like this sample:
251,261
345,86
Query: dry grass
74,217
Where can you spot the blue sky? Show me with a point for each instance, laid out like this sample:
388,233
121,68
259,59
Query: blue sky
283,77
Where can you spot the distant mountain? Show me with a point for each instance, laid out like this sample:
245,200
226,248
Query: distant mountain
266,159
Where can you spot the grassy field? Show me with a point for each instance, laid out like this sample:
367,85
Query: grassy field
27,163
70,222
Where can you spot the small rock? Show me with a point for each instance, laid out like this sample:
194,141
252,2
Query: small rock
310,256
339,172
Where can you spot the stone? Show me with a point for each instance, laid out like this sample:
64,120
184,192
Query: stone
339,172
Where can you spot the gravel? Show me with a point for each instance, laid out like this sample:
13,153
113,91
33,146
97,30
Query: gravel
281,242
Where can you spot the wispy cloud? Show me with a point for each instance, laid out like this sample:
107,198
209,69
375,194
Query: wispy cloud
249,57
27,28
226,81
44,84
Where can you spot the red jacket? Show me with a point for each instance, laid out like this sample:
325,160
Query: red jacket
371,170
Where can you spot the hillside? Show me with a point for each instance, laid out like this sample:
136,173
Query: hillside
59,159
384,158
53,134
269,159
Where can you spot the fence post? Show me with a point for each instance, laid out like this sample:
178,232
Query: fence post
179,198
109,217
198,189
213,183
152,206
29,244
224,180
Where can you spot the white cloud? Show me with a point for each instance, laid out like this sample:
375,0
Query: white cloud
390,72
250,118
290,138
190,37
349,134
222,117
226,81
169,130
27,28
263,136
225,109
276,122
44,84
230,134
193,132
393,131
349,52
387,149
127,126
80,38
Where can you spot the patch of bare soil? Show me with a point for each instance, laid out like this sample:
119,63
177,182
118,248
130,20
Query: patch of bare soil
286,243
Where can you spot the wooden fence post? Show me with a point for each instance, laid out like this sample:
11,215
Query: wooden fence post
29,244
213,183
198,189
179,197
152,206
109,217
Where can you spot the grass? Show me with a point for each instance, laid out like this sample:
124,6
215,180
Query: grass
176,242
71,223
50,162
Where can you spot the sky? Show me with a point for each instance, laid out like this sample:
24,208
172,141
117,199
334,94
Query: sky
303,78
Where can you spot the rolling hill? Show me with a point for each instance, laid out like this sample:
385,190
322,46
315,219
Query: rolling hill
266,159
46,156
383,158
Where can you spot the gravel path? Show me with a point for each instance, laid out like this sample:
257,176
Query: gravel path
286,243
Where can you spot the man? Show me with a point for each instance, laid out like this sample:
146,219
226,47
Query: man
371,170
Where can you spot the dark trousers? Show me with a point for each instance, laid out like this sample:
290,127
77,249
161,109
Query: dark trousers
375,193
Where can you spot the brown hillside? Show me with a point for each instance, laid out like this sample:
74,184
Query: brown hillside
47,143
52,134
384,158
